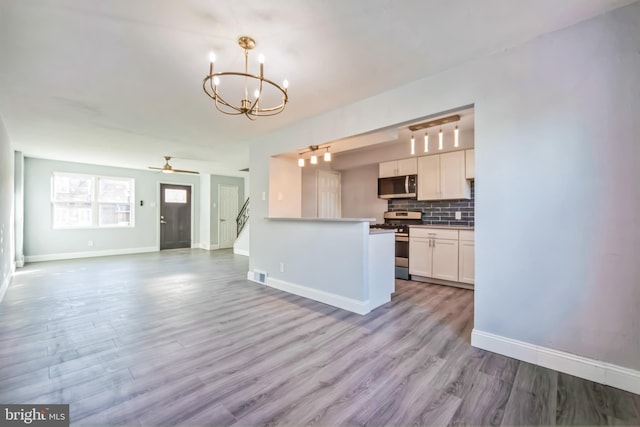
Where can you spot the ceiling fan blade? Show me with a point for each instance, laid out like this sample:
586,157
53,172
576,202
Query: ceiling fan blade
151,167
185,171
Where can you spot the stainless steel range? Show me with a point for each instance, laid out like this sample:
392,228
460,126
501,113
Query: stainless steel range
400,221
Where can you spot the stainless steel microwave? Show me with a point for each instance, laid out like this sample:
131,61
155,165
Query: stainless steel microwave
397,187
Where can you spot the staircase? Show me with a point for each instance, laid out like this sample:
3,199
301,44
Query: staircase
241,245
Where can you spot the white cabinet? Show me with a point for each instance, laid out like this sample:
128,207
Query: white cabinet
466,273
433,253
398,168
443,177
420,256
470,164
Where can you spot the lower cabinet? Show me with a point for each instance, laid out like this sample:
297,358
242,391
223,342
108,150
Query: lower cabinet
433,253
467,272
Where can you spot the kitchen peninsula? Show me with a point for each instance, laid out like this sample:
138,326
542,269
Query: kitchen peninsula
337,261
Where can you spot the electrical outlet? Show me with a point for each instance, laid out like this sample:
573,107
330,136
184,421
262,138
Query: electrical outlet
264,196
458,215
282,267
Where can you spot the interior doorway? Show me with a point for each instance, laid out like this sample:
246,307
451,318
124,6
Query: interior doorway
228,207
329,194
175,216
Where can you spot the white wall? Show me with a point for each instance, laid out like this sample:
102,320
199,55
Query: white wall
557,235
205,211
42,242
7,263
360,194
284,188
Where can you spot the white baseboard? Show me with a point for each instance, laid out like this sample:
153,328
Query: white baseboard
583,367
88,254
240,252
206,246
6,281
349,304
20,261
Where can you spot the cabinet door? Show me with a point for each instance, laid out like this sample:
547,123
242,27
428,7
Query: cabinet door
429,177
387,169
420,255
453,183
445,259
470,164
466,272
408,166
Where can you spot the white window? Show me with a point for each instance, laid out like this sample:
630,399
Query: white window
82,201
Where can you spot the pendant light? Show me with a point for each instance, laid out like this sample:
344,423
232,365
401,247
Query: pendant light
300,162
314,159
426,142
456,141
327,155
413,145
440,144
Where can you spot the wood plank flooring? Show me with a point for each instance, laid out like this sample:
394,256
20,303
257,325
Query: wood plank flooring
181,338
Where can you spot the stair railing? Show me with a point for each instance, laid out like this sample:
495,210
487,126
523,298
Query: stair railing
243,217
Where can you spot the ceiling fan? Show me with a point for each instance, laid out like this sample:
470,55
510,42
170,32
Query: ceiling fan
167,168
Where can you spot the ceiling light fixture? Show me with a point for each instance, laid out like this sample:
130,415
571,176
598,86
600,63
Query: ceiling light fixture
438,122
314,158
251,108
456,140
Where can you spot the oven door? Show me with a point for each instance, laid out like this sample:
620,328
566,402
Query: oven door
402,250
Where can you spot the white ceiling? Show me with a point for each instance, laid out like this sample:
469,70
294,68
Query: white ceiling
118,82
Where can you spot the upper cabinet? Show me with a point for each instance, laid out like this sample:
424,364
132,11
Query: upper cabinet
470,161
443,176
398,168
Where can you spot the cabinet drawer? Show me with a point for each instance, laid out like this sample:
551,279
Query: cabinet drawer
467,235
434,233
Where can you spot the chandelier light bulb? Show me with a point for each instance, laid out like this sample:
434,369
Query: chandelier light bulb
456,141
440,144
261,59
301,162
212,57
216,81
426,142
413,145
285,84
314,159
327,155
256,94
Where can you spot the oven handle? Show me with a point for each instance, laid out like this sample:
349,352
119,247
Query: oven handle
402,239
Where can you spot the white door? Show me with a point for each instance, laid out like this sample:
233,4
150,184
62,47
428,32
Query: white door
429,177
445,259
228,209
329,195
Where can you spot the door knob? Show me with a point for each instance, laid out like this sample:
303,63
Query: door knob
162,221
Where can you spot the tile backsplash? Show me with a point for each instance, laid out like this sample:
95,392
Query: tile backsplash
440,212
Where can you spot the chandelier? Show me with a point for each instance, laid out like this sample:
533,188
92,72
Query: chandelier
251,107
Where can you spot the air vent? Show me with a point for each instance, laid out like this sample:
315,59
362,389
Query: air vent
259,276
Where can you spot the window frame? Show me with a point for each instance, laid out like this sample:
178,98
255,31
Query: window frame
95,201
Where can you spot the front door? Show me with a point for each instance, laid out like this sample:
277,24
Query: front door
228,204
175,216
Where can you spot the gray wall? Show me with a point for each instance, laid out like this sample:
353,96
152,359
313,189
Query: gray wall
40,239
215,181
360,193
557,232
6,208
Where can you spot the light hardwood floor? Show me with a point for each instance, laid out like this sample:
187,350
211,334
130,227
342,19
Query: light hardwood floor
182,338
